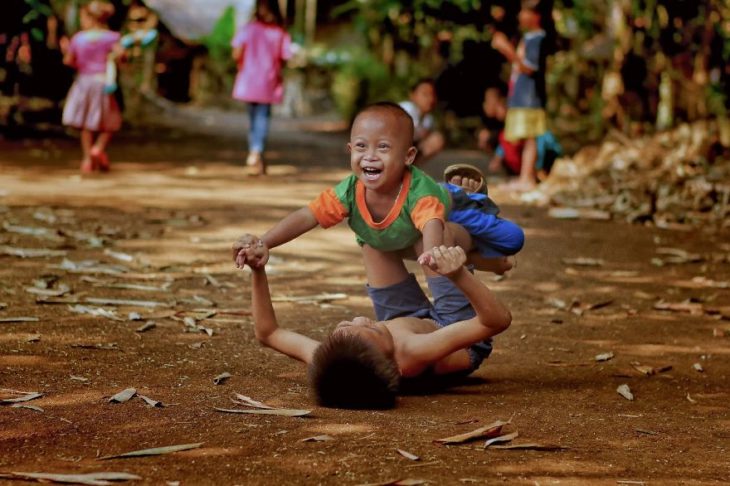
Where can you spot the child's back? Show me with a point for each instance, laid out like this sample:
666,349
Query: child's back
91,49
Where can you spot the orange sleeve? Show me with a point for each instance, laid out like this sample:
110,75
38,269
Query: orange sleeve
426,209
328,209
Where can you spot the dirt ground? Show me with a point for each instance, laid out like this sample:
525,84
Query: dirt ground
163,221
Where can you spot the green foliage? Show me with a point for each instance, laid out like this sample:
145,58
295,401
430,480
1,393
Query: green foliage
220,65
218,42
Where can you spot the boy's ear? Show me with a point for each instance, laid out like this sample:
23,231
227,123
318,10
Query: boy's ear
349,148
411,155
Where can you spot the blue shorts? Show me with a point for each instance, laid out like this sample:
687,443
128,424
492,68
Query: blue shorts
406,299
477,213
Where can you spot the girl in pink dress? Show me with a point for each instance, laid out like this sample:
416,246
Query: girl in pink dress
259,48
90,106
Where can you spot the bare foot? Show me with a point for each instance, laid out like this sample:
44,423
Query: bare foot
498,265
466,183
87,166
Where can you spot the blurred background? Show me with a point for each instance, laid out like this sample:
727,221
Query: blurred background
633,65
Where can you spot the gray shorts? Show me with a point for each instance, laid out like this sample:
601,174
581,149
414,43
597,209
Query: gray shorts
406,299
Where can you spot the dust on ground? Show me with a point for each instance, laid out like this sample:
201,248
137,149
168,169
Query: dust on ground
158,228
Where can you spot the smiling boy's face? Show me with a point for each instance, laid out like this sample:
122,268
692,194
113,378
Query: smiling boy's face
381,147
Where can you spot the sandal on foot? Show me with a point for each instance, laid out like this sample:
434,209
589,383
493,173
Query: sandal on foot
466,171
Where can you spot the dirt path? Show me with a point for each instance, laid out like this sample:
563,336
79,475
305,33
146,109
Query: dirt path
163,221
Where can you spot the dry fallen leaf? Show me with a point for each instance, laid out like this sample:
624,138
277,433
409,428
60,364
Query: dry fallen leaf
92,479
650,370
155,451
95,311
584,262
501,438
604,356
318,438
30,252
693,308
698,367
26,396
285,412
530,446
625,392
220,379
97,346
124,395
491,430
125,302
323,297
151,402
29,407
244,400
146,326
57,292
18,319
408,455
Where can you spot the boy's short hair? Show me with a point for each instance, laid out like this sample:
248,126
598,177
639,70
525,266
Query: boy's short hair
395,108
348,372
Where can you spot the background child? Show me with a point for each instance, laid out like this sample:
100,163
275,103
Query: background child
506,154
421,103
89,106
526,119
362,361
259,48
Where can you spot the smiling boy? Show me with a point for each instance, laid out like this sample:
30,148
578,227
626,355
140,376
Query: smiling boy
390,204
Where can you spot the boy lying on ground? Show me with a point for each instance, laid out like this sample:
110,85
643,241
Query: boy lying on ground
360,364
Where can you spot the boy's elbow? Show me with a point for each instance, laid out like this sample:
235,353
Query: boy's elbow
263,338
506,320
500,322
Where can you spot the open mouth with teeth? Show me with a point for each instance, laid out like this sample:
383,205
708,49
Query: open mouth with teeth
371,173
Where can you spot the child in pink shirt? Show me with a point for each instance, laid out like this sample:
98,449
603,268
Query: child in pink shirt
259,49
90,106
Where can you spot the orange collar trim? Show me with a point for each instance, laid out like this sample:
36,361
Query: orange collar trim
394,211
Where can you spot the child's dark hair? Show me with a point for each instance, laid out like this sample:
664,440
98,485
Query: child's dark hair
421,81
348,372
273,7
99,10
388,106
544,8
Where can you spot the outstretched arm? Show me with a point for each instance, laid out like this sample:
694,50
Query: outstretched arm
292,226
266,327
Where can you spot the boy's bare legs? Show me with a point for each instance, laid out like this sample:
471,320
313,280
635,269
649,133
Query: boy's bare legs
87,139
383,269
526,181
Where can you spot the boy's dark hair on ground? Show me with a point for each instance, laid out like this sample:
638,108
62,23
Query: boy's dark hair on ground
421,81
387,105
348,372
